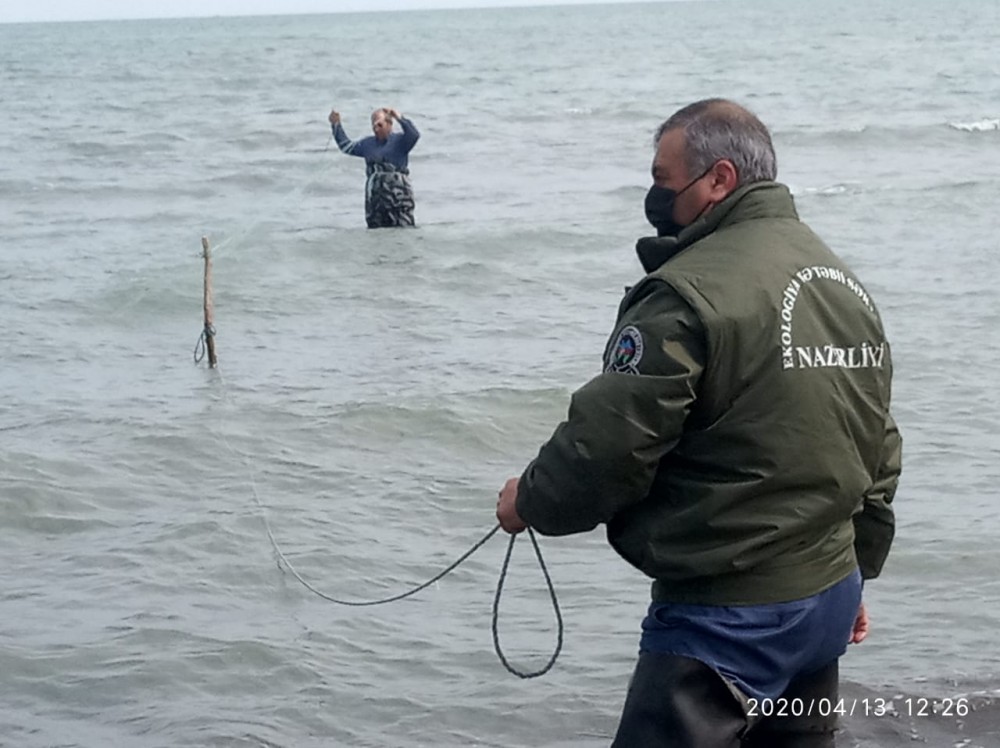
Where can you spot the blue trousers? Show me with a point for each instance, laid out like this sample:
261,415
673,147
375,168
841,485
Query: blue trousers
707,674
758,648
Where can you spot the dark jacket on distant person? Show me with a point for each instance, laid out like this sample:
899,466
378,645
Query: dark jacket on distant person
394,150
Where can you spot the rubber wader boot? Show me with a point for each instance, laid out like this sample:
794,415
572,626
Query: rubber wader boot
815,692
679,702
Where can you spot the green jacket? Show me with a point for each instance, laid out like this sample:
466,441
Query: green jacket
738,444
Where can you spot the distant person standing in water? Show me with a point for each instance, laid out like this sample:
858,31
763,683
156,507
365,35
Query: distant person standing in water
388,192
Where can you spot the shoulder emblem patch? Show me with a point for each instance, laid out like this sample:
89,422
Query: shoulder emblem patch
626,352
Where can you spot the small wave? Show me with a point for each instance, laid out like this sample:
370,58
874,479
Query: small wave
885,134
22,186
42,524
983,125
938,187
113,106
159,136
92,149
629,191
842,188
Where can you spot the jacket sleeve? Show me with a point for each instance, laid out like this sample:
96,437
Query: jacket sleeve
875,524
348,146
410,133
604,456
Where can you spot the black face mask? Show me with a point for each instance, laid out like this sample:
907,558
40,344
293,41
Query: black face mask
660,207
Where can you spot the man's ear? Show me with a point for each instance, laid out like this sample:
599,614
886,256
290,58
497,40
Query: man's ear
724,179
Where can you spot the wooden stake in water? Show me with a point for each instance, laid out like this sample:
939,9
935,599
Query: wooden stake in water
209,311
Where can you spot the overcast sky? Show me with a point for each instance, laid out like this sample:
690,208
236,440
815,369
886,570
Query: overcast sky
79,10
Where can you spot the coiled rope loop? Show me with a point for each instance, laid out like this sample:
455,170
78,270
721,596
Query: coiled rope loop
555,607
201,347
283,561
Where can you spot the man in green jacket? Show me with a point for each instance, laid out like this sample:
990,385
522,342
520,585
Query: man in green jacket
738,446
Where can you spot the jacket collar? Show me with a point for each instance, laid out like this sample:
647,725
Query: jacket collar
757,200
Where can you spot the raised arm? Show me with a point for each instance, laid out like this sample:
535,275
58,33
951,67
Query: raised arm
348,146
410,133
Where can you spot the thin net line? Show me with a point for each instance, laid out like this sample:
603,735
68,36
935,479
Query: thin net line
282,559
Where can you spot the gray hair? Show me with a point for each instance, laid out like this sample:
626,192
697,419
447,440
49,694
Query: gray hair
718,128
